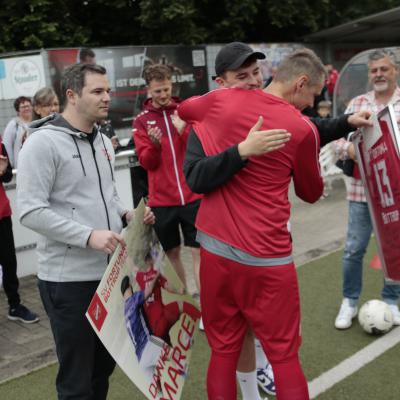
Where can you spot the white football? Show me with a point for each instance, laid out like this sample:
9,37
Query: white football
375,317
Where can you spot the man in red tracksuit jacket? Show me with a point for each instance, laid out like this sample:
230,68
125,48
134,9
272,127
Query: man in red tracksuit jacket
247,272
161,149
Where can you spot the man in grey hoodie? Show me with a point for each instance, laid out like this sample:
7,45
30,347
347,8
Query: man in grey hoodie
66,193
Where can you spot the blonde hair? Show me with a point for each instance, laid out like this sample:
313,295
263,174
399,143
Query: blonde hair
324,104
303,61
158,72
43,97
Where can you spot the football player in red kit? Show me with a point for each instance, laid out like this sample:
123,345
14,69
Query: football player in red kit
246,261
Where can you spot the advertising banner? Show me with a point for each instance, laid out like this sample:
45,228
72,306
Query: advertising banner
125,67
141,316
379,163
21,76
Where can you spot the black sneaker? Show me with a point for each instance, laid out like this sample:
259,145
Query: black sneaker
23,314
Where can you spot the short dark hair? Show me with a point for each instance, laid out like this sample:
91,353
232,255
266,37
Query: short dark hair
302,61
86,52
74,77
19,100
158,72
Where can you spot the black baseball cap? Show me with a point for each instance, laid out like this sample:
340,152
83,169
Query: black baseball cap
233,55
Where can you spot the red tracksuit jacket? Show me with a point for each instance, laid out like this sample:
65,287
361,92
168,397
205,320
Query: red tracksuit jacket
252,210
164,163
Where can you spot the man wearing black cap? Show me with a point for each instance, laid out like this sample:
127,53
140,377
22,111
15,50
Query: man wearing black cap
236,65
235,56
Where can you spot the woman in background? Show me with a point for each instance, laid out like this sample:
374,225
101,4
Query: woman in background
45,102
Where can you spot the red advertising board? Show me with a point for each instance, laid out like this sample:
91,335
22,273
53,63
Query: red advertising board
379,161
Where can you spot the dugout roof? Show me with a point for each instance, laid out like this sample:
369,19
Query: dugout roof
383,27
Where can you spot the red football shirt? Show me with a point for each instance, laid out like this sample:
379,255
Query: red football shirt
251,212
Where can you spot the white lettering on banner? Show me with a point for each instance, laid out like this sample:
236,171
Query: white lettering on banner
121,82
26,76
172,362
378,151
137,82
392,216
383,183
183,78
125,82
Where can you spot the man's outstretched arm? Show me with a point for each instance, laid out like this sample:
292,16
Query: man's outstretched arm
331,129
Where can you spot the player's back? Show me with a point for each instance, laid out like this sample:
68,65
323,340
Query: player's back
253,205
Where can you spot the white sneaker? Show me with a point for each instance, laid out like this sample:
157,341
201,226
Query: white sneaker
265,380
346,313
396,313
201,325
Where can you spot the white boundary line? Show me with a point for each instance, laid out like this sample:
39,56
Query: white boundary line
353,363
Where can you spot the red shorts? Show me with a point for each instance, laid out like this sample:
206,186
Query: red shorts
235,296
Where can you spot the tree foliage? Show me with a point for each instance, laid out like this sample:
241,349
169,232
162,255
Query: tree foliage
33,24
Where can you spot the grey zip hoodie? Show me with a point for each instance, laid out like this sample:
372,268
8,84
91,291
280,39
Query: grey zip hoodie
66,189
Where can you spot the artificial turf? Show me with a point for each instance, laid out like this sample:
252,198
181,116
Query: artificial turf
323,346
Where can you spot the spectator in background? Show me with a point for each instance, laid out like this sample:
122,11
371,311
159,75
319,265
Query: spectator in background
8,259
107,129
17,129
45,102
87,56
330,83
382,75
324,109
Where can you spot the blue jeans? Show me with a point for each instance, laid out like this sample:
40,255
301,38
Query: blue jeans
358,234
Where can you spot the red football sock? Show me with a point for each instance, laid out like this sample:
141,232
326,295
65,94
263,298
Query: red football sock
221,376
290,381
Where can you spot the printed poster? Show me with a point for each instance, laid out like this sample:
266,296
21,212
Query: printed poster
379,161
21,76
142,318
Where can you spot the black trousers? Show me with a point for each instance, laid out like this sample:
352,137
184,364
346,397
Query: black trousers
84,363
139,184
8,261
